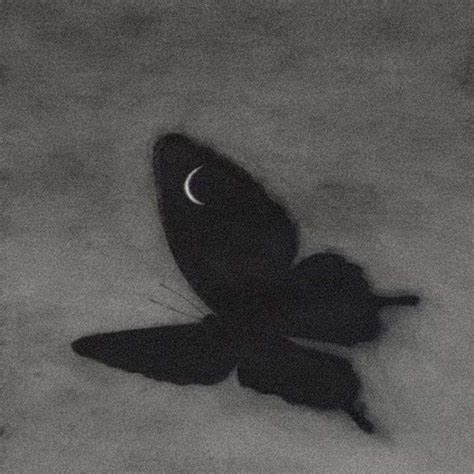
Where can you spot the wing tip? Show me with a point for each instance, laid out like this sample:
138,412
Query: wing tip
402,300
94,346
357,413
79,346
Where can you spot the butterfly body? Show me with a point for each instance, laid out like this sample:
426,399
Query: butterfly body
236,247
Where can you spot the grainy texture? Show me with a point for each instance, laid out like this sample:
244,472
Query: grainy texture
359,115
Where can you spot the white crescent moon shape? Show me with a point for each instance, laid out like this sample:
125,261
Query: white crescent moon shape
187,189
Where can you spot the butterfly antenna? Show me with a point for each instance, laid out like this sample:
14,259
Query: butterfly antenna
174,309
182,297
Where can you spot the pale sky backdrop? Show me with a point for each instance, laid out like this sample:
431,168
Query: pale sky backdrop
358,115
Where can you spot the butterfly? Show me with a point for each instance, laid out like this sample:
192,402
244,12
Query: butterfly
236,246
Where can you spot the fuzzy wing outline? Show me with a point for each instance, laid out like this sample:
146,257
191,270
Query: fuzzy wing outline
184,354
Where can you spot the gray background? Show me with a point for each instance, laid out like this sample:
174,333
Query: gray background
357,115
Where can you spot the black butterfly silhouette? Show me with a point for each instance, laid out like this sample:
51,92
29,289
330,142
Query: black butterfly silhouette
236,247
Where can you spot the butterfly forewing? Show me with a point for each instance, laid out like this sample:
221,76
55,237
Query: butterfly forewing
201,353
235,247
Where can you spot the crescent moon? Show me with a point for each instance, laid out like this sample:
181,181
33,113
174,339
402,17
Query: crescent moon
187,189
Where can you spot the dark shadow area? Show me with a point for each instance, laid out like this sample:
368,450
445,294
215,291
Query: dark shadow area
236,246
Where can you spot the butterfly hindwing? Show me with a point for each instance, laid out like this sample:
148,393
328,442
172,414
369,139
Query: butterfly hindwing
303,376
199,353
329,299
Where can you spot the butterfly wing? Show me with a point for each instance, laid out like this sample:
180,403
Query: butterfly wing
183,354
329,299
303,376
230,239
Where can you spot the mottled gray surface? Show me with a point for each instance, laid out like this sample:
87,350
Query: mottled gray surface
359,115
